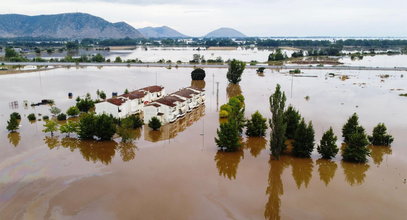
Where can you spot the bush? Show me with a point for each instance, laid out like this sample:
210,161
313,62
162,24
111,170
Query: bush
260,70
45,117
292,117
50,126
256,126
137,121
84,105
277,56
327,147
304,140
380,136
356,149
154,123
61,117
15,115
69,127
54,110
73,111
226,107
228,136
31,117
12,124
198,74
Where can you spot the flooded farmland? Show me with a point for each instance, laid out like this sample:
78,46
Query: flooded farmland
177,173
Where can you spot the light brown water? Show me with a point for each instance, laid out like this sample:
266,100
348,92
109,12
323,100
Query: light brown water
177,173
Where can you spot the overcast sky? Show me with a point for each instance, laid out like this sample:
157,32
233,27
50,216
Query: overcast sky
252,17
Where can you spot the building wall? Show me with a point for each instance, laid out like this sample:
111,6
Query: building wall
107,108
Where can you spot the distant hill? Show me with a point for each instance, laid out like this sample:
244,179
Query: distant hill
160,32
225,33
69,25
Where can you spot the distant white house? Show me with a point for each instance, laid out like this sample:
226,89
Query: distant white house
174,105
130,103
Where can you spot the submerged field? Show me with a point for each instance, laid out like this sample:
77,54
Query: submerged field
178,174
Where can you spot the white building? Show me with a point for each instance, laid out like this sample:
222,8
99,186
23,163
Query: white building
175,105
130,103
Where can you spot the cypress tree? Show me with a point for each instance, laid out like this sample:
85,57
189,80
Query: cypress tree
235,71
12,124
350,127
328,148
356,149
292,117
277,124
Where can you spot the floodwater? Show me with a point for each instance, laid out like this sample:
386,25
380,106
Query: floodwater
177,173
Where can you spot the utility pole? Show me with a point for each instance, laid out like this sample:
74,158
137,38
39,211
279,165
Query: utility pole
217,96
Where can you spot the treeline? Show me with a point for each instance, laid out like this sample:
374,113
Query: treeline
207,42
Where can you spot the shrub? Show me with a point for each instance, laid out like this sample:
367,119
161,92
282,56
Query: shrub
54,110
380,136
12,124
228,136
69,127
154,123
327,147
61,117
16,115
304,140
261,69
137,121
256,126
45,117
226,108
31,117
73,111
84,105
198,74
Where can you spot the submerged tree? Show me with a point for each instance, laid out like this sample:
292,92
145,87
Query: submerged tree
380,136
50,126
277,124
69,127
256,126
12,124
105,127
328,148
87,124
228,136
350,127
356,149
292,117
304,140
198,74
235,71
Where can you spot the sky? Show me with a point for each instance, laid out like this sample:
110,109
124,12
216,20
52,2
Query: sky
341,18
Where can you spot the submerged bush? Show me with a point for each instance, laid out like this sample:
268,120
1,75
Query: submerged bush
356,149
380,136
328,148
154,123
256,126
61,117
304,140
31,117
292,118
228,136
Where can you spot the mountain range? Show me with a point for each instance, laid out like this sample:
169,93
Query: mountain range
82,25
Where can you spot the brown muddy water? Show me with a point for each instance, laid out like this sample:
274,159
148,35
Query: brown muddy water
177,173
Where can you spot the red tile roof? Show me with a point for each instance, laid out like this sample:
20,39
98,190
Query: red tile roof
169,100
116,101
153,88
137,94
187,93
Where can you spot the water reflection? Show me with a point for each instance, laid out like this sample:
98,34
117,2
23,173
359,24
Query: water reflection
127,150
227,163
302,171
275,187
198,84
51,142
233,90
255,145
355,173
377,153
326,170
171,130
14,138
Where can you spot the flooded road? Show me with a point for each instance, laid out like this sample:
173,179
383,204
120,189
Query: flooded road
177,173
